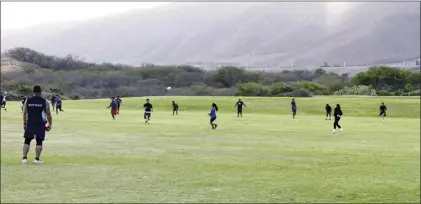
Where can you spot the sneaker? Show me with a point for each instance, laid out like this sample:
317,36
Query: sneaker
341,130
216,126
334,131
24,161
38,161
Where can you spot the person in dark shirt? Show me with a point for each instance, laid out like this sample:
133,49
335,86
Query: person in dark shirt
3,102
114,107
212,115
59,105
22,100
383,109
148,111
294,108
239,105
337,113
53,101
119,102
174,108
34,123
328,111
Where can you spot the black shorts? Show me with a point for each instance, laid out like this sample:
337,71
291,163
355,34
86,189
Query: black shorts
382,113
58,107
239,110
212,119
147,115
3,103
294,110
35,132
175,109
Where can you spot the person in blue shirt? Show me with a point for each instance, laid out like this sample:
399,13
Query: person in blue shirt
114,107
212,114
58,105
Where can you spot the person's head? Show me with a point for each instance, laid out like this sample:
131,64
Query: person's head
37,90
22,96
382,103
112,98
57,95
239,100
293,99
338,106
147,100
214,106
118,96
173,102
327,104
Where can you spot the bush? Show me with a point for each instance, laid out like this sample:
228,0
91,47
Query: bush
252,89
382,93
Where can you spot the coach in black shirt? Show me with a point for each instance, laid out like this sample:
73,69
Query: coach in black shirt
34,123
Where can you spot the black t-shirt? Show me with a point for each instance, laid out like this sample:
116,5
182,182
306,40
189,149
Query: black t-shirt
239,104
23,100
328,109
118,101
383,108
293,105
338,112
175,106
35,106
148,107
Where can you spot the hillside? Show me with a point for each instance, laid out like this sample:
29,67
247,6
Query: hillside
246,33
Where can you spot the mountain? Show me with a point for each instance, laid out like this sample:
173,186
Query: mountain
276,33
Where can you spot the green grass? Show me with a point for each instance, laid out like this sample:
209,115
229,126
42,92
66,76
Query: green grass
264,157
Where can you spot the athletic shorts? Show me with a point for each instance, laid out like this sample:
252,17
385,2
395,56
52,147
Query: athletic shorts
35,132
147,115
294,110
239,110
113,111
212,119
3,103
382,113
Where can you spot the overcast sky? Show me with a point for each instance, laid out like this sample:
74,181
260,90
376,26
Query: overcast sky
18,15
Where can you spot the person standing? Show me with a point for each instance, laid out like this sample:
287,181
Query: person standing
22,100
53,101
337,114
148,111
3,103
212,115
239,105
294,108
328,111
34,123
174,108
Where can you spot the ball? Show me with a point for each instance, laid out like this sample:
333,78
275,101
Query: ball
47,128
169,88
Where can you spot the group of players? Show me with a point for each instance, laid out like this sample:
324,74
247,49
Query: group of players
337,113
37,116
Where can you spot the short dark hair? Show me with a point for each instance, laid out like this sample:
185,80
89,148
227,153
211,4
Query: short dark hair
37,89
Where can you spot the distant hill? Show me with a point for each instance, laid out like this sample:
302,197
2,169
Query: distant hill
246,33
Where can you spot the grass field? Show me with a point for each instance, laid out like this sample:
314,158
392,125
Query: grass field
266,156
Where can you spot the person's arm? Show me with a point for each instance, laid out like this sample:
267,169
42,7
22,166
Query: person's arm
235,104
151,108
25,111
110,105
244,104
48,113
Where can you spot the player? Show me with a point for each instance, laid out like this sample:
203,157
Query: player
239,106
148,111
34,124
382,109
337,114
119,102
294,108
53,101
212,114
3,103
23,100
58,105
328,111
174,108
114,107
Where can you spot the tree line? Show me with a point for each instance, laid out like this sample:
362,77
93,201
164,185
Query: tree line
73,78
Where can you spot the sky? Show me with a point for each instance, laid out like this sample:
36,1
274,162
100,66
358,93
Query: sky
19,15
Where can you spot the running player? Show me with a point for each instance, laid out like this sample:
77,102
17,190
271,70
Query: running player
212,114
3,103
58,105
119,102
148,111
337,114
53,101
294,108
174,108
382,109
34,124
23,100
114,107
239,105
328,111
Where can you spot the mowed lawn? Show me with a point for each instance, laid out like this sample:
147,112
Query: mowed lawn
266,156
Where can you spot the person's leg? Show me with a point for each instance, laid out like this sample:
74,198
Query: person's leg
39,137
211,123
241,112
28,136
